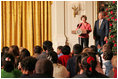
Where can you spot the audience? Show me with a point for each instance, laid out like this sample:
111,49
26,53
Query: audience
28,66
89,62
9,71
107,66
59,51
43,68
77,49
59,71
4,50
24,53
47,47
64,58
37,51
99,59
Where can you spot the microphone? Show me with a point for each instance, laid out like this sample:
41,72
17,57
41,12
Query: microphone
79,25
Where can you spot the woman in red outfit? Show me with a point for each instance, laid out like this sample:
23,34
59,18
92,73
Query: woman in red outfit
86,29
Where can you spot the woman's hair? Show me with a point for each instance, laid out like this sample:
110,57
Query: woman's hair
106,47
87,61
28,63
84,16
37,49
14,49
66,50
78,61
88,50
47,45
107,55
8,61
24,53
52,56
44,66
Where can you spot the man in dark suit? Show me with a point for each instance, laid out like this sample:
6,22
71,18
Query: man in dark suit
101,30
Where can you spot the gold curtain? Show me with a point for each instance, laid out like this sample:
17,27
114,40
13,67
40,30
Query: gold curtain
25,23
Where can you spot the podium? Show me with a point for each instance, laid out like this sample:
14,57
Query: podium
79,31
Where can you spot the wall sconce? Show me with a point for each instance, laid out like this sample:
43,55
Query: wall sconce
75,9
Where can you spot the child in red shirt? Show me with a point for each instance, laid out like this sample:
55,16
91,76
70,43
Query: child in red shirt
64,58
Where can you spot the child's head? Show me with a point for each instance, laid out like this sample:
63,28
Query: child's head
77,49
87,62
52,56
94,48
59,49
5,49
44,66
8,62
14,49
37,49
28,65
47,46
24,53
107,55
87,50
106,47
66,50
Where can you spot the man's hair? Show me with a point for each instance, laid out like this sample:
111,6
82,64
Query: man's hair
66,50
47,45
24,53
8,61
107,55
37,49
52,56
84,16
60,47
101,12
44,66
94,48
114,61
28,63
77,48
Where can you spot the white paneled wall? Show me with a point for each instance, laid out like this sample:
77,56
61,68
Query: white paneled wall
63,20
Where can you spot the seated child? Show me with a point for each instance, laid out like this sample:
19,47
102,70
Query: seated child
107,66
64,58
59,51
28,66
9,70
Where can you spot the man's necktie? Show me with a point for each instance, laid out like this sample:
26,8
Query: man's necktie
99,24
